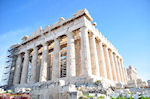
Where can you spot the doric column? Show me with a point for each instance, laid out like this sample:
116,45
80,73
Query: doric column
85,52
17,70
71,69
123,73
43,69
38,68
101,59
78,57
94,57
34,65
108,65
24,75
49,67
113,65
120,70
56,60
116,66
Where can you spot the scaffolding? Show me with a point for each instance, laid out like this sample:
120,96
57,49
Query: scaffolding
10,65
63,62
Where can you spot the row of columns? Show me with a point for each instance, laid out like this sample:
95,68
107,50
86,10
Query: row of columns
43,70
110,65
96,59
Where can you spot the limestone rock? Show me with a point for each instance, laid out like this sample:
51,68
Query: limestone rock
148,83
61,19
132,84
61,82
119,86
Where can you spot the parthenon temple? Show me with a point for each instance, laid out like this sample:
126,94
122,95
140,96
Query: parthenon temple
68,50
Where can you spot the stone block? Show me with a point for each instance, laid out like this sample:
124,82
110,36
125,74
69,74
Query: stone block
71,88
148,83
61,82
144,83
67,88
132,84
47,28
61,19
119,86
140,83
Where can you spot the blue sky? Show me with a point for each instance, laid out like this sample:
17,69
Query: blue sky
125,23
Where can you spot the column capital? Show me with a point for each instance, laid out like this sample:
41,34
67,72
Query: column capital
105,46
35,48
70,33
27,51
91,35
121,59
45,44
110,50
83,28
117,56
114,53
56,39
19,54
100,42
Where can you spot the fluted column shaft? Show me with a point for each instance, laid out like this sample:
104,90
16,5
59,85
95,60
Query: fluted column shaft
108,65
24,75
78,57
17,70
85,51
43,69
113,66
120,70
101,58
117,68
94,57
123,73
71,69
56,60
34,65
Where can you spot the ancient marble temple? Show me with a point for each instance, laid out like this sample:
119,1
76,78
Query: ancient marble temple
69,48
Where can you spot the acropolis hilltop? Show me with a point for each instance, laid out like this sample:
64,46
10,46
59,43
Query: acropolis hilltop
68,56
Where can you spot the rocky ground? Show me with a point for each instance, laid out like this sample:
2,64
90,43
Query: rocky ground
100,90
